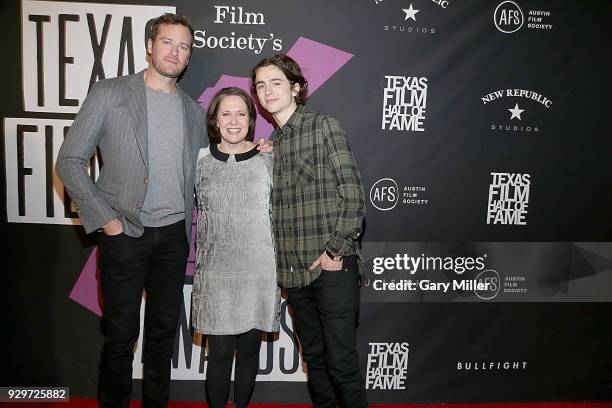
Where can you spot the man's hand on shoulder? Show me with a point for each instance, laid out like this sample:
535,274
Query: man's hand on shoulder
264,145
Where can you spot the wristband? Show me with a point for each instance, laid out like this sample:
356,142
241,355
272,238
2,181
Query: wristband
333,257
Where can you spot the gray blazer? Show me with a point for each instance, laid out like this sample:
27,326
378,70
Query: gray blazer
114,118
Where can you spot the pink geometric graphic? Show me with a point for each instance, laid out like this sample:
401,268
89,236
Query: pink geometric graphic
86,289
318,61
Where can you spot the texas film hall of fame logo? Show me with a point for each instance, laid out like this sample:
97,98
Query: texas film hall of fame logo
508,198
404,103
387,366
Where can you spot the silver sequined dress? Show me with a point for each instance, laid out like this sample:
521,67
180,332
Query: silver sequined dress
234,286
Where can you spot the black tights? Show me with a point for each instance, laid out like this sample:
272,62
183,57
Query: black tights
219,369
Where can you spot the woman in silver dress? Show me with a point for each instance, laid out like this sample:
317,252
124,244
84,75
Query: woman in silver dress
235,296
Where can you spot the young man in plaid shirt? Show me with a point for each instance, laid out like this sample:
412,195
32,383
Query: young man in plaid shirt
317,212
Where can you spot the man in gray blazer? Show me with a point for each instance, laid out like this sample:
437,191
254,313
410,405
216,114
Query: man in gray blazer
149,133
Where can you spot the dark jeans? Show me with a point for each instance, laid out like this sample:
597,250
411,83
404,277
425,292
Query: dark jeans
156,263
325,316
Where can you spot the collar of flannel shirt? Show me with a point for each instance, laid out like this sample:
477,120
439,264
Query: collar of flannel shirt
294,122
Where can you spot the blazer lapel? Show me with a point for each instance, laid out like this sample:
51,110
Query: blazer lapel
137,107
188,135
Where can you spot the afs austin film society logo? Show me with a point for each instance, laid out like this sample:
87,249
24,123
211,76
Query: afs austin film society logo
509,18
387,366
385,195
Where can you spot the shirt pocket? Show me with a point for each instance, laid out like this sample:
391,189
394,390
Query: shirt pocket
304,171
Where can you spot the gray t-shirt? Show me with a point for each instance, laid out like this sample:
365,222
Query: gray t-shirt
164,203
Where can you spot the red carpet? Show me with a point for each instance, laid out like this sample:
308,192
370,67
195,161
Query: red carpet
90,403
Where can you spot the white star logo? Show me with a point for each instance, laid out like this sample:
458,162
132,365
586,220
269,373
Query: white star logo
516,112
410,13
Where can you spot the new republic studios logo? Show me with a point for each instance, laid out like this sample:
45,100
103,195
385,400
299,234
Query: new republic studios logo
407,18
518,105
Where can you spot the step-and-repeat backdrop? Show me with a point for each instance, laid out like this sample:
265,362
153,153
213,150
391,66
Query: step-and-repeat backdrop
481,129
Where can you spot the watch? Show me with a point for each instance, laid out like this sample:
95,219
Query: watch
333,257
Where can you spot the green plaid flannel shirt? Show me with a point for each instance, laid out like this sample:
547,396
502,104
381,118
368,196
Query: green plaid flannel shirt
317,198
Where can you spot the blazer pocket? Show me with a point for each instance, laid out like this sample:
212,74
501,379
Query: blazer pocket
304,171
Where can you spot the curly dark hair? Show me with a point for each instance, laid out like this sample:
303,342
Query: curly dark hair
292,71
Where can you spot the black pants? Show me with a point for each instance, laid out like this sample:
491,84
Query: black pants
219,368
325,317
154,262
